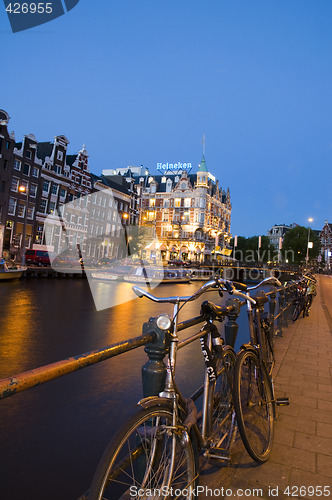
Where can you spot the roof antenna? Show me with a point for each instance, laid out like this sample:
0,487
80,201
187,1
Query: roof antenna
203,142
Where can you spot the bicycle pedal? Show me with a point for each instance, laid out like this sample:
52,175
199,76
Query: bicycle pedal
218,454
282,402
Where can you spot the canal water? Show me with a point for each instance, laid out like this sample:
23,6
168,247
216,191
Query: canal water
52,436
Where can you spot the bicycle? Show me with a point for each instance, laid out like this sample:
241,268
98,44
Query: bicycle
156,453
253,395
305,291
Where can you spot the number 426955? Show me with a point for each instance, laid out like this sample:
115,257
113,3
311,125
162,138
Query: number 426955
31,8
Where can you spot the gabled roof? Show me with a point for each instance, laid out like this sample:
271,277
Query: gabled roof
44,149
70,159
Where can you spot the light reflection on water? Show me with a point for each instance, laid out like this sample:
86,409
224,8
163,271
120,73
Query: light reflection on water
65,425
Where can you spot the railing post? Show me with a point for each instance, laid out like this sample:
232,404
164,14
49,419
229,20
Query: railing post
154,370
281,302
272,309
285,309
231,327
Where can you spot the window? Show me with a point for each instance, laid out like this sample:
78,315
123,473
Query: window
33,190
152,202
35,172
43,205
14,184
58,169
166,203
26,169
62,193
165,216
28,153
21,209
163,180
201,217
12,206
187,202
177,202
5,164
7,145
46,186
153,188
17,165
59,155
110,202
51,207
168,186
54,189
31,211
39,233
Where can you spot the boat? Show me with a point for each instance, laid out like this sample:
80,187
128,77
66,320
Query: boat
10,273
155,276
112,274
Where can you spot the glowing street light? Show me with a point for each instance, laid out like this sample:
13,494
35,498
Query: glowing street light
310,244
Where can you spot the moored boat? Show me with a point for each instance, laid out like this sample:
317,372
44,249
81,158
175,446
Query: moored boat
7,273
155,276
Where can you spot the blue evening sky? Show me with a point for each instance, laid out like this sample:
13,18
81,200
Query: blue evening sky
141,81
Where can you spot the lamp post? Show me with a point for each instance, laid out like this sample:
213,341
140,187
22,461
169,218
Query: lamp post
24,189
307,256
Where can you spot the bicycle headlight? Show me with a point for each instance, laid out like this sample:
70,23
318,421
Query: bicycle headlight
164,322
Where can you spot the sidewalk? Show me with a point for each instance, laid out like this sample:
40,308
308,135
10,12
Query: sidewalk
302,449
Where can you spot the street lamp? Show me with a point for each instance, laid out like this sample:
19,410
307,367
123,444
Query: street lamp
24,189
307,256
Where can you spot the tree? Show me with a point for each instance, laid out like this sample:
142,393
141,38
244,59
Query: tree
295,243
247,249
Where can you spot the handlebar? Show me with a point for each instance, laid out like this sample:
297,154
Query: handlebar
232,287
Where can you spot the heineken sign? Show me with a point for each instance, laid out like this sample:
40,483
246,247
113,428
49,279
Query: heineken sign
174,167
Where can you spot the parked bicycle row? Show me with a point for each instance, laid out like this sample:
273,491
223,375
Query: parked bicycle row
305,293
158,450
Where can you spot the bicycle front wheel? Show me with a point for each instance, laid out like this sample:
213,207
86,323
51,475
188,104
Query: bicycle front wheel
147,459
253,404
220,402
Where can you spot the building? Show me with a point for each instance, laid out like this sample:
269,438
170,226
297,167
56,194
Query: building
277,232
325,237
189,214
112,209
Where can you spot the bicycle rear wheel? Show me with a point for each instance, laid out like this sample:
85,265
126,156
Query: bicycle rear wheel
145,456
296,311
253,404
220,402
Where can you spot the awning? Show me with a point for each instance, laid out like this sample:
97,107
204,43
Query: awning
198,250
173,249
20,226
163,247
184,249
154,245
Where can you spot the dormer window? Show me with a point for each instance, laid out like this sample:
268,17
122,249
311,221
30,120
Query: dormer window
163,180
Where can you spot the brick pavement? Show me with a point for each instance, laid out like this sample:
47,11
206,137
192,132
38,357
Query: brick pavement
302,449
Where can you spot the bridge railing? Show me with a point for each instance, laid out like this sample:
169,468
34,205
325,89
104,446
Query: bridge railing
153,338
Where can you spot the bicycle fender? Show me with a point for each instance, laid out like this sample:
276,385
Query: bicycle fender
155,401
248,347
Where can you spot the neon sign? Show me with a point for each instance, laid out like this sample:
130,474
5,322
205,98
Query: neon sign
174,167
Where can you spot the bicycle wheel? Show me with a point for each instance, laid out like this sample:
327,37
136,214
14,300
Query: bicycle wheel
307,305
296,311
221,422
253,406
145,456
267,344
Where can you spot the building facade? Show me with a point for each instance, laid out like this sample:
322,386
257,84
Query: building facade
189,214
277,233
325,237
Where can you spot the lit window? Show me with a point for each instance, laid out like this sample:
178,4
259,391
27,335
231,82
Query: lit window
152,202
177,202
